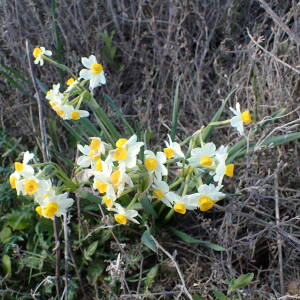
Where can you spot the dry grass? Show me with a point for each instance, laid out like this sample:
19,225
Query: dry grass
207,42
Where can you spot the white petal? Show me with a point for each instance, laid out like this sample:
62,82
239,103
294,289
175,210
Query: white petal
87,62
94,81
83,161
85,74
161,157
102,78
83,113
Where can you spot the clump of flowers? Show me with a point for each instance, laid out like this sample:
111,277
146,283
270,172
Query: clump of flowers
67,103
181,176
28,180
171,177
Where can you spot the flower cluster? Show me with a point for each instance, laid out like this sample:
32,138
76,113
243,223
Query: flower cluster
66,104
112,171
116,170
181,180
29,182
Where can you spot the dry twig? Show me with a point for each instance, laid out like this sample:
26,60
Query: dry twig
45,153
159,246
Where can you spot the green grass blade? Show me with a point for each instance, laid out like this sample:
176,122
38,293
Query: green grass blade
208,130
63,159
87,126
175,109
119,113
57,41
16,73
272,142
15,84
275,115
73,132
189,239
281,139
109,130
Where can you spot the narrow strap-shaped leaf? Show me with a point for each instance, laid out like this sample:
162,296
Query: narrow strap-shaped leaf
109,130
89,127
209,129
17,74
15,84
272,141
73,132
189,239
175,109
119,113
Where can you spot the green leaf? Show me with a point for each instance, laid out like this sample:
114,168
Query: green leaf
90,250
208,130
147,205
119,113
151,276
15,84
95,269
34,262
219,295
189,239
241,282
274,115
42,86
197,297
89,196
88,127
6,265
18,220
73,132
175,109
5,234
16,73
110,132
148,240
272,142
281,139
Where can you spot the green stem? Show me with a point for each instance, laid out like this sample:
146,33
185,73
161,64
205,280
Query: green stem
219,123
179,180
169,215
136,196
60,66
186,184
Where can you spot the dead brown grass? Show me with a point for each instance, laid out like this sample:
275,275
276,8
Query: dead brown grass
207,42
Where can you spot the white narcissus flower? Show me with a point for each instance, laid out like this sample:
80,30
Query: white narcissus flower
93,72
54,206
23,169
46,192
31,185
173,149
182,203
102,180
70,113
240,118
71,83
38,55
222,169
203,156
155,163
111,182
89,157
126,152
160,190
97,145
208,195
109,199
54,94
122,215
